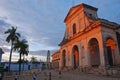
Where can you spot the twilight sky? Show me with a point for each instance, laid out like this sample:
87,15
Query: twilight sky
41,22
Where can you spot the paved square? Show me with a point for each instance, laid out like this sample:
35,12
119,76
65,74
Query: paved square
71,75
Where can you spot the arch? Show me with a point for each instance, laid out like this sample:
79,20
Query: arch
111,46
74,28
75,56
94,52
64,58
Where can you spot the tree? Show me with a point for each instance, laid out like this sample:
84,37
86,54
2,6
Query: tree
34,59
22,61
22,48
12,37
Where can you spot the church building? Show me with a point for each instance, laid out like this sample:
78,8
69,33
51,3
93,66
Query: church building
89,41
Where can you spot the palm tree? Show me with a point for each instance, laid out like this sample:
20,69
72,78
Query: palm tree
22,48
12,37
23,62
34,59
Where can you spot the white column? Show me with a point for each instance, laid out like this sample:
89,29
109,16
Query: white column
66,58
60,61
88,56
80,55
71,59
102,52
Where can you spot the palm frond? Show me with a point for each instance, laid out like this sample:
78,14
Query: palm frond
8,31
18,34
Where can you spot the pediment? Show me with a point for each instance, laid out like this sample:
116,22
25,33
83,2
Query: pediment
72,11
76,8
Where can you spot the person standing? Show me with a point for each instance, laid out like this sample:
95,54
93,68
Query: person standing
34,76
59,74
16,76
1,76
49,75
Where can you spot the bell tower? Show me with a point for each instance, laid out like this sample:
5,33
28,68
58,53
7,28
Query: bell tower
48,59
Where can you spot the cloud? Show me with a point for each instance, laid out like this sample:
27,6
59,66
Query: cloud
41,21
3,27
107,9
35,20
40,55
42,52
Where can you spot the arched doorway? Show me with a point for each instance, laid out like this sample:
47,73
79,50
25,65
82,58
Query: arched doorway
64,58
75,57
110,45
94,52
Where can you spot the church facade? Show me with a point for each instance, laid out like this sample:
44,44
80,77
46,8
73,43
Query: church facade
55,60
89,41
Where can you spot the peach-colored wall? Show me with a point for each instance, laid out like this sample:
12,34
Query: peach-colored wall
111,33
81,39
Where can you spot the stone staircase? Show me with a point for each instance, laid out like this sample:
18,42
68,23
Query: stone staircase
112,71
97,71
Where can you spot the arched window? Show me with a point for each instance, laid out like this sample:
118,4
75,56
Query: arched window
74,28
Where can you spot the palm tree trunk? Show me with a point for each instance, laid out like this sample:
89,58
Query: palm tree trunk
10,56
23,62
20,64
